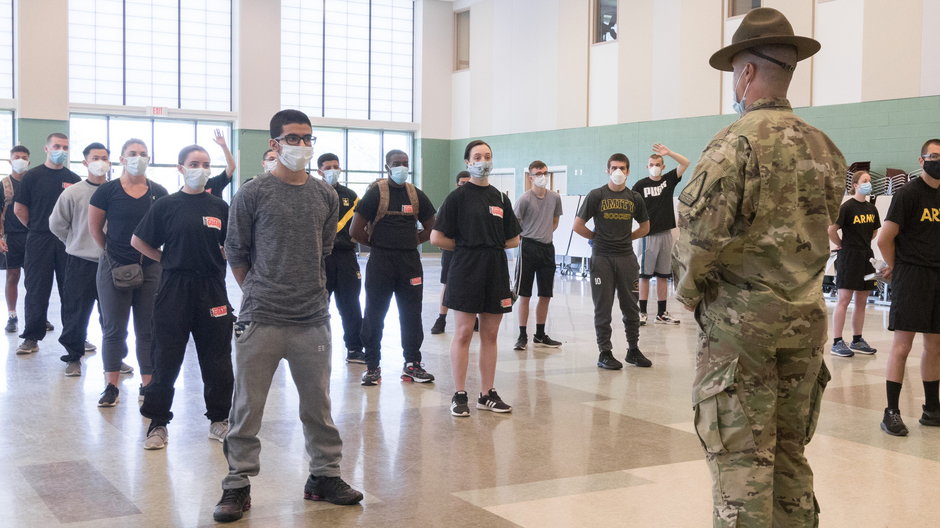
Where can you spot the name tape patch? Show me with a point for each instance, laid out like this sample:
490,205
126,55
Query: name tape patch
213,222
496,211
506,303
218,311
416,281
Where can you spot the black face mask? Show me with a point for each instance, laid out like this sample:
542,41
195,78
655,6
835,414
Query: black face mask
932,169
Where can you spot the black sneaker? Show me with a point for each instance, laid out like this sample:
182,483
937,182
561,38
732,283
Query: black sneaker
439,325
356,356
460,404
930,417
233,504
862,347
330,489
607,361
893,424
635,357
415,372
492,402
372,377
521,343
109,397
11,325
546,341
49,327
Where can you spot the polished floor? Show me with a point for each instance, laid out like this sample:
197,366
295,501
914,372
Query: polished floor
582,447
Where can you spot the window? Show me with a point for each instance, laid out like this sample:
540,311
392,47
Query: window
170,53
462,40
605,20
6,139
741,7
164,137
348,59
361,153
6,49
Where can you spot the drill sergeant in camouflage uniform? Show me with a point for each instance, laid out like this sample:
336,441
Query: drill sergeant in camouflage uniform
750,259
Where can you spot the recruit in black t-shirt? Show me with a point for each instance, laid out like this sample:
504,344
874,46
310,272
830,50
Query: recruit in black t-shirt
122,213
347,207
613,213
916,210
216,184
12,224
395,231
40,190
657,195
191,228
478,216
858,221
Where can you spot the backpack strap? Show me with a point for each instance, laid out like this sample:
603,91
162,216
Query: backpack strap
413,198
7,201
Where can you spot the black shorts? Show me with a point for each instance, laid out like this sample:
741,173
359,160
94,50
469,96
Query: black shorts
13,258
446,257
536,263
915,299
851,267
478,282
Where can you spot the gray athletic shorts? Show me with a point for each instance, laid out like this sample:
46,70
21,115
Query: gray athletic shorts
656,255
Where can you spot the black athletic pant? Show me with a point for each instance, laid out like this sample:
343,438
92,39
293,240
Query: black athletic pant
187,303
343,280
45,257
399,273
78,300
609,276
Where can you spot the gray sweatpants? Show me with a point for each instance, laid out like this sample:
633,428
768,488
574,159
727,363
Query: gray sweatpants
116,308
258,352
610,275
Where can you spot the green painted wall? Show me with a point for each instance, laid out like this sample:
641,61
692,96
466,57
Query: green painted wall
33,132
434,172
249,146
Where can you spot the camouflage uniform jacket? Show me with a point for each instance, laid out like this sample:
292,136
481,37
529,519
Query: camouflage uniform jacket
753,245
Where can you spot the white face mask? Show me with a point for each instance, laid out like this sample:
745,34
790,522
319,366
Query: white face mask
331,176
295,157
618,177
19,165
99,167
137,165
480,169
195,178
540,181
269,165
655,171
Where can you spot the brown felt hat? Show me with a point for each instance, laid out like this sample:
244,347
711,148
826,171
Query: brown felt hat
760,27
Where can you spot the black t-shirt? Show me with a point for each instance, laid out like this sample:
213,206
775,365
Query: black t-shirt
347,202
12,224
191,228
395,231
478,217
613,214
216,184
40,190
657,195
916,210
858,221
122,213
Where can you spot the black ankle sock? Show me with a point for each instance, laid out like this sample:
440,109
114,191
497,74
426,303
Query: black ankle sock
894,393
660,307
154,424
856,338
836,341
643,306
932,395
522,331
441,316
539,330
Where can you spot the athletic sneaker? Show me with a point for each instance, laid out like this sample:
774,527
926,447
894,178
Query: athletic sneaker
28,346
862,347
73,369
893,424
460,404
439,325
667,319
126,369
635,357
109,397
372,376
931,418
840,349
218,430
156,438
492,402
90,347
521,343
606,360
331,489
49,327
11,325
356,356
233,504
643,318
546,341
416,373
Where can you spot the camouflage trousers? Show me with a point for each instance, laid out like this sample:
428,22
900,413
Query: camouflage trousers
755,410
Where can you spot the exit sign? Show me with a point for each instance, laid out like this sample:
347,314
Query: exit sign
158,111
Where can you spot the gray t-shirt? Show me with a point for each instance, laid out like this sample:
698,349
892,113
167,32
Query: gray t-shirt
282,233
536,215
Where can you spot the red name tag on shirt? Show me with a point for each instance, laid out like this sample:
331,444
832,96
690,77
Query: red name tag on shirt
66,185
496,211
218,311
506,303
416,281
213,222
408,209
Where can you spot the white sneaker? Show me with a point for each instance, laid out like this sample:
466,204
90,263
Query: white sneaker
643,318
665,318
218,430
156,438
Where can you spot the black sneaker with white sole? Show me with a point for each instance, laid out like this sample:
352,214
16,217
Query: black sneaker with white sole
415,372
492,402
930,417
606,360
460,404
521,343
109,397
356,356
545,341
893,424
372,377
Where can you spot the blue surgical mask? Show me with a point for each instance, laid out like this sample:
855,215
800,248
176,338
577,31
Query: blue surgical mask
480,169
58,157
399,174
864,188
739,105
331,176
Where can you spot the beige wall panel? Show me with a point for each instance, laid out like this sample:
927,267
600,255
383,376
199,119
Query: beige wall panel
434,49
837,68
891,52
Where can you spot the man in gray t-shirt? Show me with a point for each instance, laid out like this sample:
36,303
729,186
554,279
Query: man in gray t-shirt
538,211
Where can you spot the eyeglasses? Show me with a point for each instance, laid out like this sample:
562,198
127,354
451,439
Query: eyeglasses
931,157
294,139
